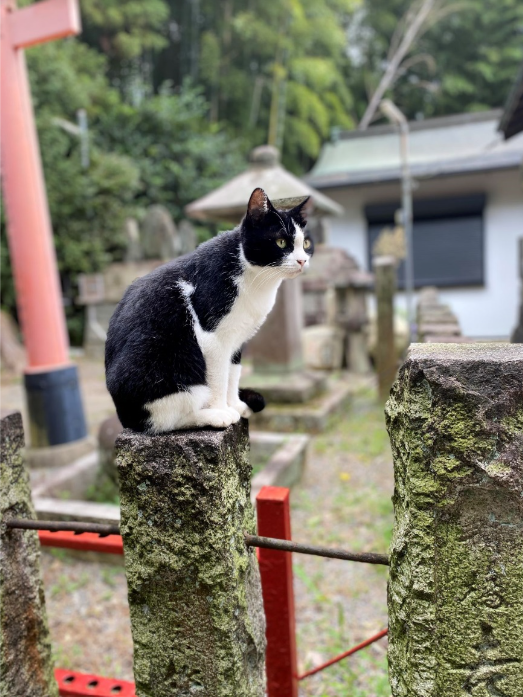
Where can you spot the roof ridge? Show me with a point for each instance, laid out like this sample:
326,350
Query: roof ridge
423,124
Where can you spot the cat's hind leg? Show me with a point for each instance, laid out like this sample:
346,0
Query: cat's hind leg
187,409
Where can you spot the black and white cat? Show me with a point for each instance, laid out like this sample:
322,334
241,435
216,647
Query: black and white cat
174,343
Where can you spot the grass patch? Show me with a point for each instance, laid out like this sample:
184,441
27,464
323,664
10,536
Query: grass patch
66,585
351,510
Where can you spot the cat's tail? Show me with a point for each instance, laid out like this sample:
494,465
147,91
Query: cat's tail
254,400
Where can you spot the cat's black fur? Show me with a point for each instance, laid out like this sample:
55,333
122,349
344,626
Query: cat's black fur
152,350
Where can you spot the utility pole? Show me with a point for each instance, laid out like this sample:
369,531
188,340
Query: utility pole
391,111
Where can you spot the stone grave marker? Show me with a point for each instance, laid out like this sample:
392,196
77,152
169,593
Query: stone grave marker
336,298
187,238
159,236
134,250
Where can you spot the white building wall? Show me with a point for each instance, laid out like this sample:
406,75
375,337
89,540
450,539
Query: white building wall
489,311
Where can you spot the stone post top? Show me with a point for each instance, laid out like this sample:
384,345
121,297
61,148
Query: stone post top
11,425
207,438
466,353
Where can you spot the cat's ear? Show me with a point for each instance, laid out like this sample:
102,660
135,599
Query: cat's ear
299,213
259,204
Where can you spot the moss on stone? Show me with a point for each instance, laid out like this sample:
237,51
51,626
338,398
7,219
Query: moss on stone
194,587
26,666
455,600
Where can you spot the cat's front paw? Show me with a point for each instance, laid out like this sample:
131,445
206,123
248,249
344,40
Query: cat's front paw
242,409
217,418
235,414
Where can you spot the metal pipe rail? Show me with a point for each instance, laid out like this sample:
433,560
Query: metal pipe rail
289,546
103,530
62,526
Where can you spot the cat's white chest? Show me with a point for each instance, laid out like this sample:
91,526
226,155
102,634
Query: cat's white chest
255,299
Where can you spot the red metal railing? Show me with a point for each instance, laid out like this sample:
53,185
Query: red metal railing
72,684
273,512
85,542
274,520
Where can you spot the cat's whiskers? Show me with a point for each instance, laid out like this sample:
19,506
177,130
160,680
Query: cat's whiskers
268,274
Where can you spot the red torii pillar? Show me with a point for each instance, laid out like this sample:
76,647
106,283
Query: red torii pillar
51,380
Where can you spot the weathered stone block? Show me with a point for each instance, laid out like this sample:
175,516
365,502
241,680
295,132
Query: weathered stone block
194,587
26,666
455,419
323,347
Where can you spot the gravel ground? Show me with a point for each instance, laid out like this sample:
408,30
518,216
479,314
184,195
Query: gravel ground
343,500
88,615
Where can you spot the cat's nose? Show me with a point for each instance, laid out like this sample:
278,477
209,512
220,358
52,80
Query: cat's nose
301,262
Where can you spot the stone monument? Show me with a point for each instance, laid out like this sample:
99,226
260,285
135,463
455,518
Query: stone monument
134,251
386,360
436,322
335,298
159,236
157,242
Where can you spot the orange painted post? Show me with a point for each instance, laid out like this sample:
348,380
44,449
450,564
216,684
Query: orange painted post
51,381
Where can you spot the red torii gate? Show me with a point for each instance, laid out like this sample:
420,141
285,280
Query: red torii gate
51,380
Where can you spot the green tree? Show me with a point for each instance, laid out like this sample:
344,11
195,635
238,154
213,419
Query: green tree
162,149
87,206
126,32
272,70
465,60
180,156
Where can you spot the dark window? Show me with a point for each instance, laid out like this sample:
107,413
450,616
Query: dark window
447,239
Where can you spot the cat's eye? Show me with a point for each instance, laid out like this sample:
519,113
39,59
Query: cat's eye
306,244
281,243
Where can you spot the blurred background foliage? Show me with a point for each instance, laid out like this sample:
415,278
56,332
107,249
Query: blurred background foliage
178,91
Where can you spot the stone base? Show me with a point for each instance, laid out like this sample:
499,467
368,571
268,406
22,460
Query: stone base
311,416
72,480
323,347
285,459
55,456
290,388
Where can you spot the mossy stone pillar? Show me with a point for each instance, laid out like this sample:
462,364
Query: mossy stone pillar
194,587
455,419
386,361
26,665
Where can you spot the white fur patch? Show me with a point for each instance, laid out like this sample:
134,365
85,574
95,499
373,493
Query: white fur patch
299,253
177,410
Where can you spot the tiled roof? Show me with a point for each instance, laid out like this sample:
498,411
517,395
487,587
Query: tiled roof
437,147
